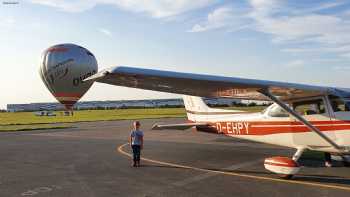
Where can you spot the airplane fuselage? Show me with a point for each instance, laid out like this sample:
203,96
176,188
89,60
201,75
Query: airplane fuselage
283,131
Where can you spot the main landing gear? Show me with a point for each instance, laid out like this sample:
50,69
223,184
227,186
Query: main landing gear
284,167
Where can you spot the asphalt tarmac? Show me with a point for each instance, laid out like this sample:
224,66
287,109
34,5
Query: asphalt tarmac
92,159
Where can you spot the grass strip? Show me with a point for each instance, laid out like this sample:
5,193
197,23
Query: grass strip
27,118
31,127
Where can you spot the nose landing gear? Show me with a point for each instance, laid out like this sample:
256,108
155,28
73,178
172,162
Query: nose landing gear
284,167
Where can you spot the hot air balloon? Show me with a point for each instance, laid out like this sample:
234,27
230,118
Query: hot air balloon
63,69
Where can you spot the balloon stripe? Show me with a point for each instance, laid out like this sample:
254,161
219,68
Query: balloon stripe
57,49
63,94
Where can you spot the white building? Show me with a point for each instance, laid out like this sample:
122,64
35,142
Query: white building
84,105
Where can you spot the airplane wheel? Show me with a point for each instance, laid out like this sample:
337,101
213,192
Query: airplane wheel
285,176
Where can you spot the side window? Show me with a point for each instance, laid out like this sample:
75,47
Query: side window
310,107
338,104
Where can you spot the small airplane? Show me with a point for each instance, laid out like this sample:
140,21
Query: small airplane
302,116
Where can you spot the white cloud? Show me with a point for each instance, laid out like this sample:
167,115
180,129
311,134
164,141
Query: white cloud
154,8
287,25
163,8
342,50
300,50
341,68
223,17
311,28
327,60
284,21
295,64
105,32
264,7
320,7
219,18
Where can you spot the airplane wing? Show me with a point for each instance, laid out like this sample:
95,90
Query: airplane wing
219,86
205,85
181,126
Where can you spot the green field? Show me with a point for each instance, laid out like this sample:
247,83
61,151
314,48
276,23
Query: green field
20,118
29,121
30,127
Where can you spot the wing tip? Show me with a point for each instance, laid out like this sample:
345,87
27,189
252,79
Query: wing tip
106,72
100,74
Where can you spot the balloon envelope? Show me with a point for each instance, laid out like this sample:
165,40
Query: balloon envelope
63,69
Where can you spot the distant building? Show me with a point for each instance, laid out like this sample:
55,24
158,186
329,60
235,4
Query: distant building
85,105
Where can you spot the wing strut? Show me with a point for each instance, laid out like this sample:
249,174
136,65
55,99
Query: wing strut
300,118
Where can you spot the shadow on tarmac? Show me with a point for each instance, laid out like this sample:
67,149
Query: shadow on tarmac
160,166
309,178
323,179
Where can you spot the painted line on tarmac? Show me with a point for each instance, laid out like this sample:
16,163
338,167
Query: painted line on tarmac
306,183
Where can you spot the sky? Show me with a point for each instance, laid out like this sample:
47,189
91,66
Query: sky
302,41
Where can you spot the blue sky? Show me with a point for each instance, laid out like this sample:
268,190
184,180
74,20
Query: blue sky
296,41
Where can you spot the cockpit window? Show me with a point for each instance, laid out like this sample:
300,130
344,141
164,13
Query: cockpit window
338,104
309,107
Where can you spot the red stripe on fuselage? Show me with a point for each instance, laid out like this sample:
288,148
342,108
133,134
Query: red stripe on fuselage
275,127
